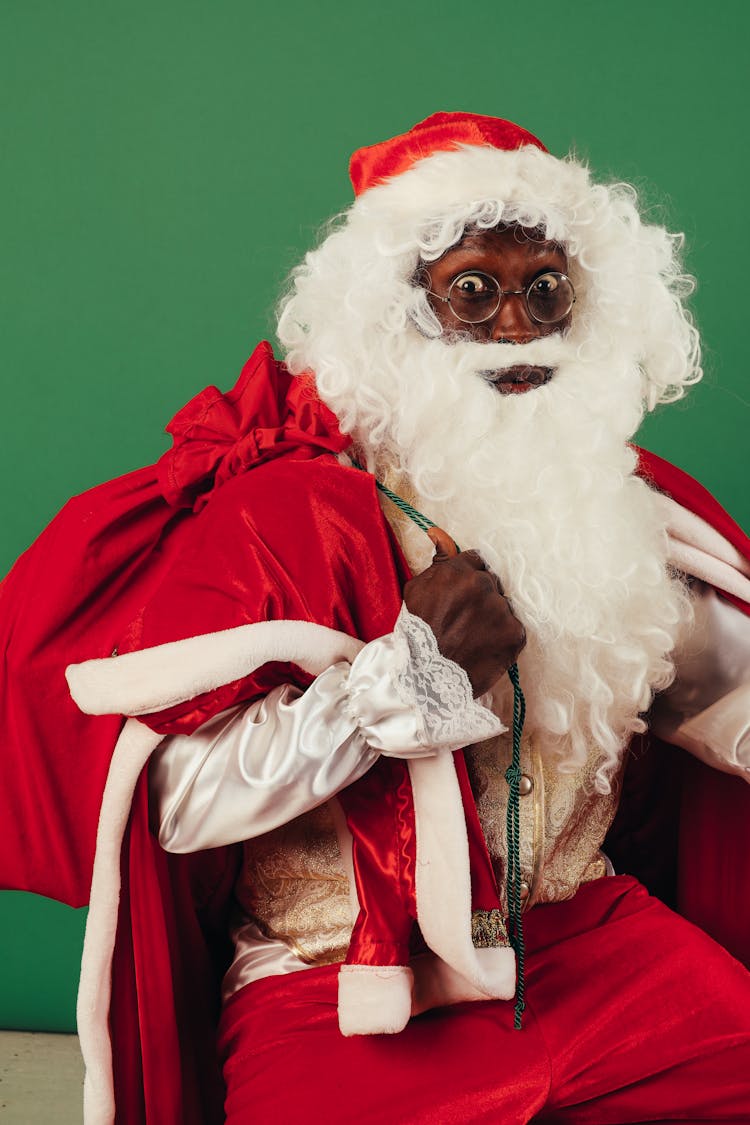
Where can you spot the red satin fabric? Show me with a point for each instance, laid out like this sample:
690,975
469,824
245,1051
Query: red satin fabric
171,949
380,816
484,893
80,589
68,599
291,540
633,1015
441,131
268,414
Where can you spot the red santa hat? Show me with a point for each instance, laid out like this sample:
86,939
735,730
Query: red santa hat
377,163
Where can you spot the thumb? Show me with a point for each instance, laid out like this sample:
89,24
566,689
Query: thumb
445,548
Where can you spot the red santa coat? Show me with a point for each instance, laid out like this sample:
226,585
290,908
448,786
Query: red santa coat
126,566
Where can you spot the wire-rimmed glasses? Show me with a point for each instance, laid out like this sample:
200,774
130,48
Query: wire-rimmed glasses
475,297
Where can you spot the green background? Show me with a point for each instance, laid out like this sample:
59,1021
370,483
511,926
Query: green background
166,163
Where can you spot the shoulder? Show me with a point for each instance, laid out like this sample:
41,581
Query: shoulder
691,495
704,540
316,509
313,489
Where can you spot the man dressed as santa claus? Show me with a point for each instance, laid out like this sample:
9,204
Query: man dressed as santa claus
401,607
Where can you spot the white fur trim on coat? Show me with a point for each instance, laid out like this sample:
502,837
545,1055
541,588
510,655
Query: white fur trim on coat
140,683
436,984
698,549
132,751
443,880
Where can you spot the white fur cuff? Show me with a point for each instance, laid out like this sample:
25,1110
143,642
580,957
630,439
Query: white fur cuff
374,999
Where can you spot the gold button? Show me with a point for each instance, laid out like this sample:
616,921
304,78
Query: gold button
524,889
525,785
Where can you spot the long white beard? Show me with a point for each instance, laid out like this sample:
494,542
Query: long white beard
542,485
541,482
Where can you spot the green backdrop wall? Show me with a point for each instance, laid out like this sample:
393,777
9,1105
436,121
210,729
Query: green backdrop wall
167,161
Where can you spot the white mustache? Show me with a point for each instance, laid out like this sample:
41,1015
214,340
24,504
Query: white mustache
475,358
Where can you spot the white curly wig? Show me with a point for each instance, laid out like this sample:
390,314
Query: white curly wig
541,483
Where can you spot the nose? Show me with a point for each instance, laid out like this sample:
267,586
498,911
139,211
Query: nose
512,322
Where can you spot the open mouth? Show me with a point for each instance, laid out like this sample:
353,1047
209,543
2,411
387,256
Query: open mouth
517,380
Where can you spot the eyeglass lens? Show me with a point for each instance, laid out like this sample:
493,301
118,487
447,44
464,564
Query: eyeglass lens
475,297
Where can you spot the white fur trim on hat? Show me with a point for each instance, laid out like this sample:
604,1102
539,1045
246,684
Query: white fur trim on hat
544,188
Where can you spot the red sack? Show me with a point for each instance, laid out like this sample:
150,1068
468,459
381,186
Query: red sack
73,594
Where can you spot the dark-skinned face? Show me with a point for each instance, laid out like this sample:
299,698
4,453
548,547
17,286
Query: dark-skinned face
515,257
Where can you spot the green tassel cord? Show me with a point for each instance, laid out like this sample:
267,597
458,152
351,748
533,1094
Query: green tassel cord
513,777
513,873
411,512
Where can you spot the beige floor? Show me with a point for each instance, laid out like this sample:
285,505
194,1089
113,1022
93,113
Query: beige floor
41,1079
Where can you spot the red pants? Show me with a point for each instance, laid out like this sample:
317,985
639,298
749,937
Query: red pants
633,1015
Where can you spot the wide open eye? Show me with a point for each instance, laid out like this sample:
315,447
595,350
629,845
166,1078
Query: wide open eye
474,296
550,297
546,285
473,285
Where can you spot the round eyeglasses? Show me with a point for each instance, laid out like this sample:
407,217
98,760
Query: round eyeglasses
475,297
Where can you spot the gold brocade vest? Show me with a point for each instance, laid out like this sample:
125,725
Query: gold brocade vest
294,882
295,886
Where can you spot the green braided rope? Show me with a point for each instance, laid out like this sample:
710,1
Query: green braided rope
512,776
412,513
513,873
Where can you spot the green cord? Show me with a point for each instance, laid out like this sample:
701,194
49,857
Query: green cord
513,874
412,513
513,777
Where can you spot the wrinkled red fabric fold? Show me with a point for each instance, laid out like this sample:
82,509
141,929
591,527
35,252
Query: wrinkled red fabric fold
80,590
380,815
267,414
484,892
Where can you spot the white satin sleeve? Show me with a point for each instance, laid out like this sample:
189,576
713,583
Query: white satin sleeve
254,767
707,710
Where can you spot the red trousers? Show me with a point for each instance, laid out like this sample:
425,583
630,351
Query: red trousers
633,1015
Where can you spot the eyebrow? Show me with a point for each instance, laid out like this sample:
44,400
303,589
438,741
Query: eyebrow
539,249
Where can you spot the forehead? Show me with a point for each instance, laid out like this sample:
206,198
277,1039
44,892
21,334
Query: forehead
506,240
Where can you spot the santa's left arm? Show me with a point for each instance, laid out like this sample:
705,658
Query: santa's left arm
707,709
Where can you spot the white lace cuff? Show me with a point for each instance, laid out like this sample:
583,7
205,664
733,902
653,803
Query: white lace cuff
409,700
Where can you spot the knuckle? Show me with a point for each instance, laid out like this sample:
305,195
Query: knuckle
482,582
470,558
410,589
